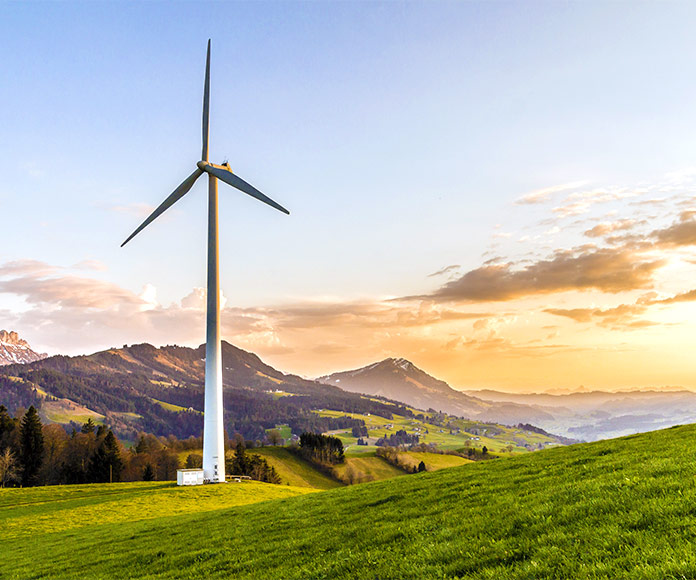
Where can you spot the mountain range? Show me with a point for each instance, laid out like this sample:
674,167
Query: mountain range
160,390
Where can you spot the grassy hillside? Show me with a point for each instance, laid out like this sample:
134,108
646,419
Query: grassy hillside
366,467
433,461
622,508
293,470
39,510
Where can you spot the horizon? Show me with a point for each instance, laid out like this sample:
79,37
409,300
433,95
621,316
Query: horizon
504,195
467,390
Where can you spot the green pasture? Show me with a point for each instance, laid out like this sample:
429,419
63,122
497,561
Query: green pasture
293,470
433,461
616,509
367,467
285,431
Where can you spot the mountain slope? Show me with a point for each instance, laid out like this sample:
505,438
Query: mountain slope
613,509
15,350
160,390
401,380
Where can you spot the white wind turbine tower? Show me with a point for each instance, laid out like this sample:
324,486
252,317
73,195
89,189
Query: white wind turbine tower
213,437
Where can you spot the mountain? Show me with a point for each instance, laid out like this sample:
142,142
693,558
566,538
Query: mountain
592,415
401,380
161,391
15,350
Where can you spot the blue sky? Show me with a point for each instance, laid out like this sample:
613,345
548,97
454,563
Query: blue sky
398,134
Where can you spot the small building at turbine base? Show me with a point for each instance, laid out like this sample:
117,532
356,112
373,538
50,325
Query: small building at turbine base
189,477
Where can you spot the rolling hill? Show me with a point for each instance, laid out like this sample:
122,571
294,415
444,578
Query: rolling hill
619,508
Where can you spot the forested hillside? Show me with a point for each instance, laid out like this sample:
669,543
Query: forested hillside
160,391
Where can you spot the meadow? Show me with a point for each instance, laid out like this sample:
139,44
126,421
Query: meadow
496,438
623,508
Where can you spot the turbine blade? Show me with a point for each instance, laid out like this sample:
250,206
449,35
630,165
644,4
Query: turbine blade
206,106
176,195
237,182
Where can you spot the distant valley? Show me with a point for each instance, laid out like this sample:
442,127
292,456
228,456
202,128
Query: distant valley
593,415
587,415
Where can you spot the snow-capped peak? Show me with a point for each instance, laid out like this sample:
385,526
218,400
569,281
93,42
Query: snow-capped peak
15,350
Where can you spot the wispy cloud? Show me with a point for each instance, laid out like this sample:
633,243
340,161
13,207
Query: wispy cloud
545,194
445,270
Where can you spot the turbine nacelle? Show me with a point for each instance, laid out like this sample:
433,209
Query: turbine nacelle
203,164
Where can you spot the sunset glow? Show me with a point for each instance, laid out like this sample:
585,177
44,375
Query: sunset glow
516,211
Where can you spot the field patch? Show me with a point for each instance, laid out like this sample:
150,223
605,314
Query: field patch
293,470
366,467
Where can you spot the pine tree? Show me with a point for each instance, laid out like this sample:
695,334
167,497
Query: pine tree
106,464
421,466
88,427
31,446
148,473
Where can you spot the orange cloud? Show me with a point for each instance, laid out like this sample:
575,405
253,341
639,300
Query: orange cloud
601,230
622,316
607,269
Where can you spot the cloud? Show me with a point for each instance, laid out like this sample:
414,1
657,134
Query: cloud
605,228
27,267
69,291
365,314
74,314
618,316
623,316
584,268
681,233
689,296
543,195
580,202
445,270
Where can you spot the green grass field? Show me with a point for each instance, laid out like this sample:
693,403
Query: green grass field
433,461
293,470
35,511
617,509
284,430
368,467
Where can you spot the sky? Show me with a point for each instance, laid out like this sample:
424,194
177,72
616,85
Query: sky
503,193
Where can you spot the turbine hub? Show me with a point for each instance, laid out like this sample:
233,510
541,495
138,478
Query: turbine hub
202,165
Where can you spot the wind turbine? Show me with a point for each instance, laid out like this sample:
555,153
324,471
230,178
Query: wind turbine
213,437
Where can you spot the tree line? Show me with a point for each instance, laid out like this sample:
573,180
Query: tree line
34,454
